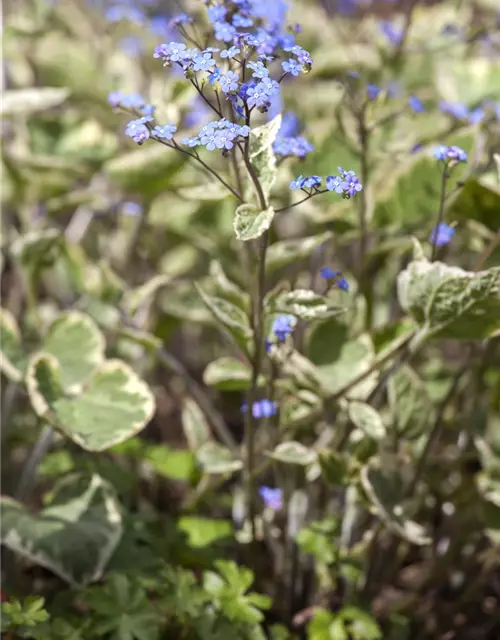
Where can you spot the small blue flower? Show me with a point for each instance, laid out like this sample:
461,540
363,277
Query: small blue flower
283,326
298,147
273,498
224,31
215,75
191,142
262,409
372,91
415,104
343,284
259,70
441,235
203,61
458,110
327,273
172,52
351,185
298,183
229,82
291,66
230,53
137,129
476,115
312,182
132,209
391,32
165,131
257,96
334,183
451,155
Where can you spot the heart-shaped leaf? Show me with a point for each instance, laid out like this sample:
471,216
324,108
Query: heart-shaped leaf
294,453
449,302
367,419
250,222
114,405
195,425
215,458
384,487
282,253
12,361
76,342
74,537
306,304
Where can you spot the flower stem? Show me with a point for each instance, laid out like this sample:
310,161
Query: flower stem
440,216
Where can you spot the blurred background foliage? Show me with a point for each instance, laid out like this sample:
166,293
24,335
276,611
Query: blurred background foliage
94,225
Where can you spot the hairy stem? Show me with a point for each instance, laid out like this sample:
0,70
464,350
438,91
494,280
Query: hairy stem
442,200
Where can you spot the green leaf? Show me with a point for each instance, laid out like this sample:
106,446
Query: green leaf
283,253
173,464
32,100
37,248
319,540
146,293
449,302
367,419
122,606
384,486
411,406
114,405
477,201
306,304
262,155
12,362
250,222
74,537
226,289
44,383
227,374
214,458
340,360
231,317
294,453
195,425
76,342
361,625
203,532
149,170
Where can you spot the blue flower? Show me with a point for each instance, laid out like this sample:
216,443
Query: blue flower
229,82
343,284
312,182
372,91
392,33
415,104
257,96
441,235
298,147
450,155
241,21
334,183
298,183
291,66
165,131
191,142
458,110
173,52
224,31
203,61
351,185
283,326
259,70
327,273
230,53
476,115
262,409
132,209
273,498
216,13
137,129
215,75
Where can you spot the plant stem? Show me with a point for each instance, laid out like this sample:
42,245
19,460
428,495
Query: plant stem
28,473
258,292
440,216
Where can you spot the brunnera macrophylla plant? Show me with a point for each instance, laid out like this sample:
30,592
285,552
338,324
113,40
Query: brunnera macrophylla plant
236,60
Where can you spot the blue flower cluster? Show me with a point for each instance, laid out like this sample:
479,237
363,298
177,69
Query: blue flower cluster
347,184
218,134
283,326
296,146
262,409
328,274
442,234
460,111
451,156
273,498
